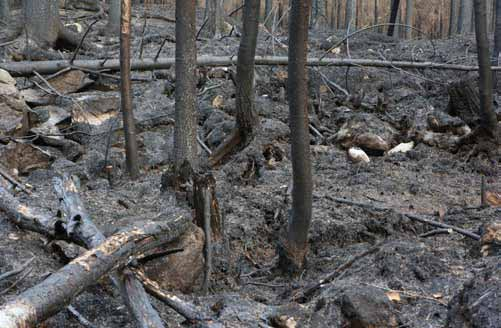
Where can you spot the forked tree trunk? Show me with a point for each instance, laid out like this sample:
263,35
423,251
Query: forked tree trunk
408,18
185,131
247,119
393,16
497,41
132,157
293,254
487,115
4,9
113,27
42,21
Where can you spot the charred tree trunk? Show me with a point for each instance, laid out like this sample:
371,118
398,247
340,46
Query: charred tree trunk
132,157
489,122
247,119
185,132
452,17
497,41
350,13
465,16
339,14
293,254
409,9
214,17
113,27
376,14
42,21
4,9
393,16
268,7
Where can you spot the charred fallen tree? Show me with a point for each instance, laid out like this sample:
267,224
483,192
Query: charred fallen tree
26,68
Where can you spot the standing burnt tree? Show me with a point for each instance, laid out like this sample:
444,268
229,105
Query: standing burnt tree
393,16
489,123
113,27
452,17
497,40
351,8
247,119
4,9
409,9
185,131
294,249
213,18
464,22
43,24
126,96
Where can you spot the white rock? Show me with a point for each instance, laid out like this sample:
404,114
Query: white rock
6,78
402,148
358,155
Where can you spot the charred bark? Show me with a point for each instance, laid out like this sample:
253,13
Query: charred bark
452,17
395,4
489,122
131,151
4,10
185,132
497,41
409,9
464,24
293,255
214,18
247,119
113,26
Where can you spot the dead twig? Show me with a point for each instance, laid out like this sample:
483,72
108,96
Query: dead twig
309,291
80,318
436,232
14,284
82,41
411,216
17,271
13,181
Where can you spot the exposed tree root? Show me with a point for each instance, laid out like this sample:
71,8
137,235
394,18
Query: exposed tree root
226,148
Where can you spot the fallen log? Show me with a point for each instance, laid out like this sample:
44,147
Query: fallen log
26,68
56,292
81,229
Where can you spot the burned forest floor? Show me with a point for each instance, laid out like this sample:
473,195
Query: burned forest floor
412,279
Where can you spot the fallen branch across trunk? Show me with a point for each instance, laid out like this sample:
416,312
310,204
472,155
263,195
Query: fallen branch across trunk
26,68
55,293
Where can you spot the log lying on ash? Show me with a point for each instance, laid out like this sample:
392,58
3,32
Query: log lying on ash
56,292
26,68
80,228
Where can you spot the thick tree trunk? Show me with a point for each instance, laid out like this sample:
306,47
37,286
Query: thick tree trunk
452,17
131,151
488,117
295,248
465,16
113,27
395,4
40,302
42,21
214,17
185,132
247,119
497,41
4,10
409,9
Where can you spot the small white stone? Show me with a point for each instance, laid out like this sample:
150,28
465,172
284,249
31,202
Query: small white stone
358,155
402,148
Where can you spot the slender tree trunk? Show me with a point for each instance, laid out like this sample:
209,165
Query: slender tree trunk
214,17
452,17
268,7
333,14
295,249
497,41
185,132
247,119
465,16
488,116
349,14
408,18
131,151
339,14
376,14
113,27
393,16
42,21
4,9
